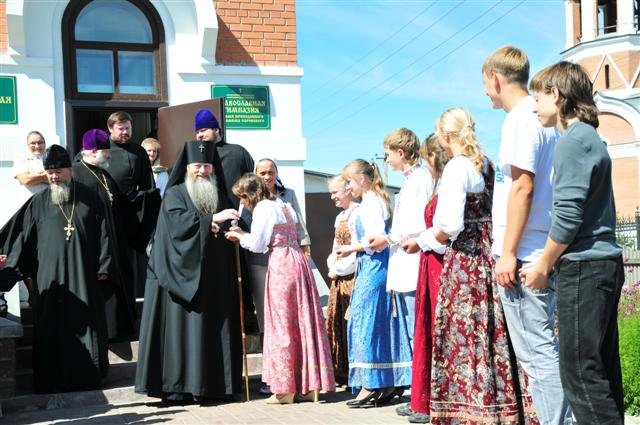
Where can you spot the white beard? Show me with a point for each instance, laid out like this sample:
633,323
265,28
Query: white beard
60,193
102,161
203,193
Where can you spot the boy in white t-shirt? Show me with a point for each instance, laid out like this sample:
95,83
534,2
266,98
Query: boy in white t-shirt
521,216
402,152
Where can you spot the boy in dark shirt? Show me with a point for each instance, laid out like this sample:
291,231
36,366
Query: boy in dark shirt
582,247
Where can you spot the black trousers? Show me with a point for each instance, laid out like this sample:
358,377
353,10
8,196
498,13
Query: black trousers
588,295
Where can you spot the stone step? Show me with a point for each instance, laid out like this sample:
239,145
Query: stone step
118,389
123,373
108,396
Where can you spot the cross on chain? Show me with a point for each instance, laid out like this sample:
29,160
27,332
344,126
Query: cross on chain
69,229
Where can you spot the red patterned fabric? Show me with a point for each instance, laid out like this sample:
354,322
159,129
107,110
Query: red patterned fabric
425,305
296,354
474,375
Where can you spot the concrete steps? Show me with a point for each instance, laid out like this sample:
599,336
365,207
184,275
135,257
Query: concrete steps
118,385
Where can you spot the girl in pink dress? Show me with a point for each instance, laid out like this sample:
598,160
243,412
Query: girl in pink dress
296,357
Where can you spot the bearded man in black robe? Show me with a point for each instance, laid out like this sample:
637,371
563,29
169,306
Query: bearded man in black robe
59,239
89,168
235,162
190,332
130,168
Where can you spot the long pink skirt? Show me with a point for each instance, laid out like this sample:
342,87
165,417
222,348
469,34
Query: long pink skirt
296,351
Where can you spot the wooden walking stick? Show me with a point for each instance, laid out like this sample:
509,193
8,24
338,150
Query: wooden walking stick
244,336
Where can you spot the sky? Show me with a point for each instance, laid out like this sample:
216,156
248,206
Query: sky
372,66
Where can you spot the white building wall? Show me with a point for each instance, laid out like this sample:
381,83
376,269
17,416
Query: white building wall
190,26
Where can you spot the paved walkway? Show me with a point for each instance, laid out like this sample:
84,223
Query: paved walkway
330,410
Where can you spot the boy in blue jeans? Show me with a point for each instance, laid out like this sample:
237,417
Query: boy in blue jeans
581,247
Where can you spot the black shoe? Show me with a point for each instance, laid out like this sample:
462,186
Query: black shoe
370,399
404,410
419,418
265,390
388,397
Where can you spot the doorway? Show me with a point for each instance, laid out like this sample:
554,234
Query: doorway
145,124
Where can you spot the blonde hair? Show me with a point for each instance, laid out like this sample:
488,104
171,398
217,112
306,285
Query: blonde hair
150,141
404,139
459,125
336,180
509,61
371,171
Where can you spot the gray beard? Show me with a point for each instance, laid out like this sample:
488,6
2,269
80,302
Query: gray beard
203,193
104,165
60,193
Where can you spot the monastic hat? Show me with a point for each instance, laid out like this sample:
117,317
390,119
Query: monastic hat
56,157
205,119
200,151
95,139
191,153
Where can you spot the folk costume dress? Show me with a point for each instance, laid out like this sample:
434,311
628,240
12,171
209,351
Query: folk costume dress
378,337
426,298
474,378
340,292
296,353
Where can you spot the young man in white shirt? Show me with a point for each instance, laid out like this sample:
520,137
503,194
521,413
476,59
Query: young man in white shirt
522,202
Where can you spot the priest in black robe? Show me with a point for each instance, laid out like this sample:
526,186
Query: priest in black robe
130,168
190,341
235,162
89,168
62,244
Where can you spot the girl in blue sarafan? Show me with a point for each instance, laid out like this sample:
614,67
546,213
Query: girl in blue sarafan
378,337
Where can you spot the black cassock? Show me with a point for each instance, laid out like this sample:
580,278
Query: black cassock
236,161
131,170
190,338
69,335
121,226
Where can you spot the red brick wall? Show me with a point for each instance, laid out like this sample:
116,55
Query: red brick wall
256,32
4,33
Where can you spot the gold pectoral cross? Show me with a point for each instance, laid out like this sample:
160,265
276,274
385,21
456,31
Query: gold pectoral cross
69,229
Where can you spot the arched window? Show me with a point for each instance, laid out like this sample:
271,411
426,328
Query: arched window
113,50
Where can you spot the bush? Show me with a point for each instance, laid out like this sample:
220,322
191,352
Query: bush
629,328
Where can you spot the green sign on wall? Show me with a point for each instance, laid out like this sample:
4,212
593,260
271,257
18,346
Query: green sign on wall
245,107
8,100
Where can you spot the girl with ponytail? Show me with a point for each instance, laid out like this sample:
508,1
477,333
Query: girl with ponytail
468,323
378,337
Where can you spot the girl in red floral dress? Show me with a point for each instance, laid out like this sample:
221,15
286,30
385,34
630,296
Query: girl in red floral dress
474,378
426,292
